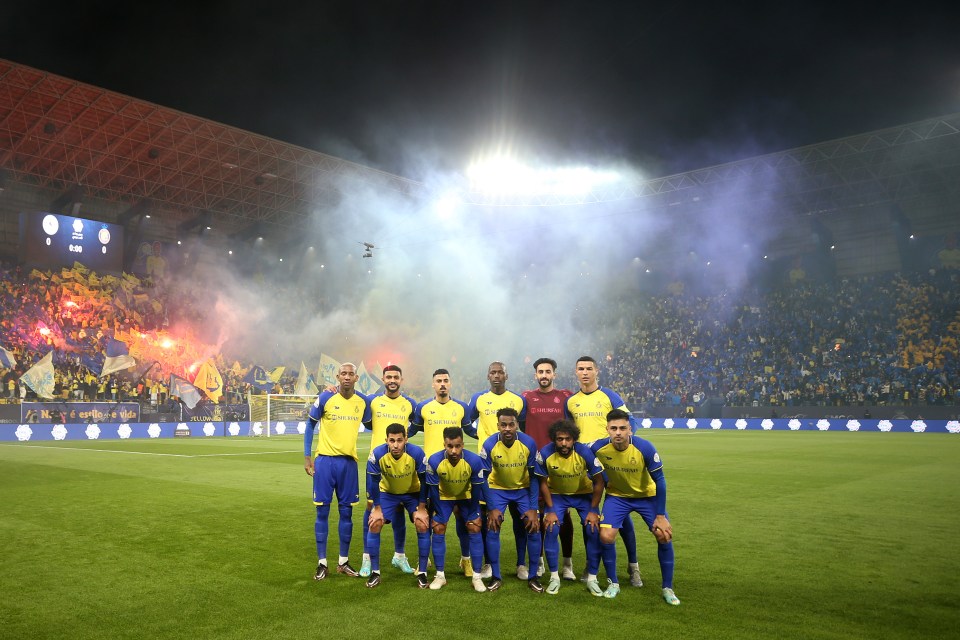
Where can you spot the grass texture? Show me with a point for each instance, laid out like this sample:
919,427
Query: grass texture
778,534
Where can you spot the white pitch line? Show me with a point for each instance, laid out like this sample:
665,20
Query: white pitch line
252,453
147,453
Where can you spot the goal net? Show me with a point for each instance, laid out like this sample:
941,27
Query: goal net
278,414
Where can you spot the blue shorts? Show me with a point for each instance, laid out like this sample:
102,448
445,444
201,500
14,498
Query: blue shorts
335,474
500,499
617,509
578,501
443,509
390,501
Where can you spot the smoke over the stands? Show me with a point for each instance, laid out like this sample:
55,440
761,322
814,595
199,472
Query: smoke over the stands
458,286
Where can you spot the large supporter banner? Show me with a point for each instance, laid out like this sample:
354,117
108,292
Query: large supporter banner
112,431
31,412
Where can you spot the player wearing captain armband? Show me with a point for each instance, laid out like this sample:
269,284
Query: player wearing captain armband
589,408
456,479
396,482
635,483
333,465
388,407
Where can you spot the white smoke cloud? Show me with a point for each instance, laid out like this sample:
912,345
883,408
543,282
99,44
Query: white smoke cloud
459,286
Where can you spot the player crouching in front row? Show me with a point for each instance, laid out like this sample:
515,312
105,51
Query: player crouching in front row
455,478
396,478
635,483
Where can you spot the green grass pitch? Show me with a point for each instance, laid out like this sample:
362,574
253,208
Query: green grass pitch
778,534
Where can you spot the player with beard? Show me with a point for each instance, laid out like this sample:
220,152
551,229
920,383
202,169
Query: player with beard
456,480
432,417
511,457
635,484
389,407
545,405
570,478
396,483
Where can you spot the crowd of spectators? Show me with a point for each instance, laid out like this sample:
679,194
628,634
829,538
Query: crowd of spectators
883,339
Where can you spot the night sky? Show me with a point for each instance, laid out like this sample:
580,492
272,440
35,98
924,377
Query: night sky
415,86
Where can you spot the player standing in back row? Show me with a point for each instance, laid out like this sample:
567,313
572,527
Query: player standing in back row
589,408
333,466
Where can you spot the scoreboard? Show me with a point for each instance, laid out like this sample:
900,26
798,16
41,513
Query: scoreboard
51,240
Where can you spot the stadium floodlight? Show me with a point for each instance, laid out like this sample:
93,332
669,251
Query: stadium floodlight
504,175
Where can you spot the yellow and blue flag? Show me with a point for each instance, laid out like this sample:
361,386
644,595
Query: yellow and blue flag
328,370
39,377
209,381
305,383
117,357
182,389
366,383
258,377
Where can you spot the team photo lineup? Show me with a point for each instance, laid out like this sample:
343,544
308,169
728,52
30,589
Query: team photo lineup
539,456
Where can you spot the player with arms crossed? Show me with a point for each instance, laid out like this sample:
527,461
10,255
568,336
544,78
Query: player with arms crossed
455,478
570,478
589,408
333,466
635,483
386,408
511,458
395,480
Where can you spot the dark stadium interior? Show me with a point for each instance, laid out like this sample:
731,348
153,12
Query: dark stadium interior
824,276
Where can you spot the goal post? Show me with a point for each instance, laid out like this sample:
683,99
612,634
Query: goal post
277,414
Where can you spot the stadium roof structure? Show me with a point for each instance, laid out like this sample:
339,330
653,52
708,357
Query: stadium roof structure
63,134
